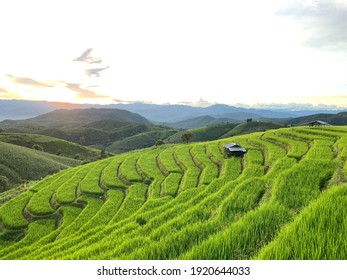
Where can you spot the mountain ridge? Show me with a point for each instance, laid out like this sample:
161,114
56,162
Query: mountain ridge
23,109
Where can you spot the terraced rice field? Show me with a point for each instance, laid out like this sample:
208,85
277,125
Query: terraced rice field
285,199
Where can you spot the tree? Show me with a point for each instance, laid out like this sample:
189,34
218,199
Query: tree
103,154
4,183
159,142
82,140
249,120
37,147
1,130
187,136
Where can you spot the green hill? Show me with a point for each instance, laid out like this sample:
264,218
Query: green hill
51,145
64,117
249,127
99,128
285,199
201,121
205,133
20,164
333,119
139,141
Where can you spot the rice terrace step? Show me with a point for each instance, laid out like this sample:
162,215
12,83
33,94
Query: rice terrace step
285,198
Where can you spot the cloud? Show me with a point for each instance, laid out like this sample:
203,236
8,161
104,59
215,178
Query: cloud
4,93
325,21
122,101
27,81
84,93
87,58
95,71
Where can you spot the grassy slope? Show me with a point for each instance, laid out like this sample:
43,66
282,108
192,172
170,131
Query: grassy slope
92,127
201,121
333,119
205,133
139,141
190,202
20,163
255,126
50,145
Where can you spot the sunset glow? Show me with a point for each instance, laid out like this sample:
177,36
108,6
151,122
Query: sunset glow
175,51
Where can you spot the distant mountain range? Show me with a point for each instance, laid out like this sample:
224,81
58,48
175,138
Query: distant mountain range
98,128
177,113
21,109
119,130
333,119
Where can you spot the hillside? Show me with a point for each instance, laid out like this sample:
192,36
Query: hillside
89,127
205,133
200,121
20,164
250,127
51,145
62,116
139,141
333,119
285,199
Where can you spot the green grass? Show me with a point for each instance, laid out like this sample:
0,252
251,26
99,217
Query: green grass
67,192
42,201
205,133
171,184
11,214
12,193
91,182
110,174
51,145
318,233
20,164
286,198
139,141
250,127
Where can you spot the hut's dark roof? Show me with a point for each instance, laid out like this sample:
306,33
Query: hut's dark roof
318,122
233,147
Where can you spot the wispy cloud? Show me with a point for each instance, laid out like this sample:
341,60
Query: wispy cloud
4,93
87,57
325,21
95,71
27,81
84,93
123,101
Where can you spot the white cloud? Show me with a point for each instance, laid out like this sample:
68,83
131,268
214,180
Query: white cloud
171,51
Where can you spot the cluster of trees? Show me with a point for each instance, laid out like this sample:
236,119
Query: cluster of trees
4,183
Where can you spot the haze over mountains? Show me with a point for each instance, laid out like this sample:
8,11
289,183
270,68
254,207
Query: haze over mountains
98,128
119,128
21,109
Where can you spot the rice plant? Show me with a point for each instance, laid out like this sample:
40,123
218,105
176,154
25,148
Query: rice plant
284,199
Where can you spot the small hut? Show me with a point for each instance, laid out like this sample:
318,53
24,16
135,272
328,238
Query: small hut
317,123
233,149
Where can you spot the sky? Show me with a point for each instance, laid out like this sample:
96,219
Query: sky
175,51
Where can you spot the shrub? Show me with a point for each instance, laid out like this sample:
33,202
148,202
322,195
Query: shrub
186,137
4,183
37,147
77,156
159,142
